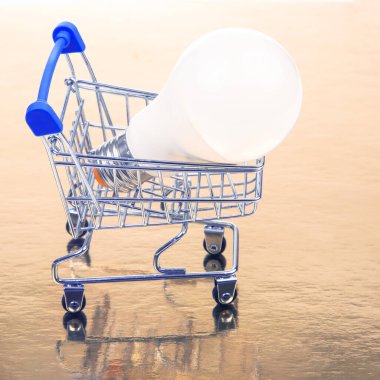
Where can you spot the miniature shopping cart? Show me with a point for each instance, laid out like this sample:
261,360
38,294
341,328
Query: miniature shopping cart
175,193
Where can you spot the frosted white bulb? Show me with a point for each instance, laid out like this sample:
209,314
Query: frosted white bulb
233,96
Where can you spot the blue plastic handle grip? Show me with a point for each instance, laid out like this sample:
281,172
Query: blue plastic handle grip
40,116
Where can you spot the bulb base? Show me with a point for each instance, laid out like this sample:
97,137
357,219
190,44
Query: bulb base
117,179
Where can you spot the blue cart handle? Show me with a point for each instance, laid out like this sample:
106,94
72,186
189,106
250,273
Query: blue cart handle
40,116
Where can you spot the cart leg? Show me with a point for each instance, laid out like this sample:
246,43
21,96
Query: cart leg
156,257
225,291
79,252
73,299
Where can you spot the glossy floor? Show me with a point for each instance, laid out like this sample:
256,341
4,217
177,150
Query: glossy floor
308,305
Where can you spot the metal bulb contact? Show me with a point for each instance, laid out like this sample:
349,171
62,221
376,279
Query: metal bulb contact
117,179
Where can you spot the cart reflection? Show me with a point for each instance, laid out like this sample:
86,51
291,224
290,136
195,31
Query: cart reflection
90,353
73,245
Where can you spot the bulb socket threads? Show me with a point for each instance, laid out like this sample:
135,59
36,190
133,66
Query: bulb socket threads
117,179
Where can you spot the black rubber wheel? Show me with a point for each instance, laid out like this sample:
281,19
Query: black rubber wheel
85,224
63,301
224,244
213,263
215,296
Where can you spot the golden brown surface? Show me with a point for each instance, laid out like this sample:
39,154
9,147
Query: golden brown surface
309,271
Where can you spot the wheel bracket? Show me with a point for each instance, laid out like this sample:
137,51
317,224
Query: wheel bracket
226,288
214,238
73,295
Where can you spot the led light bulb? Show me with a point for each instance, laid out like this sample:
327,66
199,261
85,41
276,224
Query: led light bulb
233,96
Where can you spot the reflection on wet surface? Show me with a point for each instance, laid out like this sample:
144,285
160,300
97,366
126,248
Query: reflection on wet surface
92,348
308,304
142,356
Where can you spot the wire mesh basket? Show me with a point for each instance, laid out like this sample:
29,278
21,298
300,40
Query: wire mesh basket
177,192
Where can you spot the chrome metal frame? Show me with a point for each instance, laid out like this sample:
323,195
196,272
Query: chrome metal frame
177,193
164,273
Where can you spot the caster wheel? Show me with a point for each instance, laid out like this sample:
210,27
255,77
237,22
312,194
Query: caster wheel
85,224
224,244
214,263
67,309
216,299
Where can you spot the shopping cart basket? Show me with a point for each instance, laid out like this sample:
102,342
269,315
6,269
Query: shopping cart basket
176,193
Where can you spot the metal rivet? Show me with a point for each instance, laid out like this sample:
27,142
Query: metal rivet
226,296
